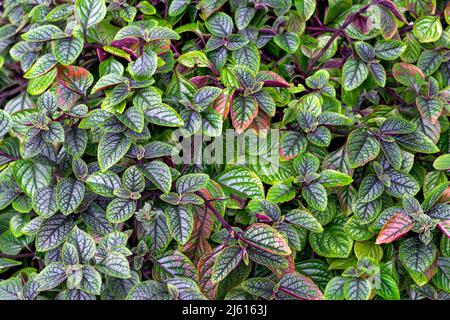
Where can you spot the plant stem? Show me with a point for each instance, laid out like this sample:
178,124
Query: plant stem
16,256
336,34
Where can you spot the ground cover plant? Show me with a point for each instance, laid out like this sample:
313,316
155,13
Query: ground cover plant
336,186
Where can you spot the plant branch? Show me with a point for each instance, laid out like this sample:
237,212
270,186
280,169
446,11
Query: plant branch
336,34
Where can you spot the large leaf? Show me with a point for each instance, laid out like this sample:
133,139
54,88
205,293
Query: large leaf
354,73
397,225
112,148
90,12
242,180
362,147
53,232
300,287
264,237
69,194
158,173
243,111
180,221
227,260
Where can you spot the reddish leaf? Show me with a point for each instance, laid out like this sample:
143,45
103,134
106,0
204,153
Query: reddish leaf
363,24
271,79
398,225
76,79
223,102
205,269
445,227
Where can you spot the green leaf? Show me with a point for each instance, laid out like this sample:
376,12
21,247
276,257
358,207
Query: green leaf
205,96
43,33
334,242
133,118
220,24
161,33
31,176
149,290
191,182
389,49
357,289
112,148
335,289
333,178
287,41
315,195
243,16
69,194
242,180
306,164
67,50
264,237
5,123
115,265
120,210
10,289
43,65
180,221
51,276
365,51
417,256
226,261
133,179
158,173
397,125
163,115
53,232
300,286
442,277
177,7
378,73
281,192
303,219
402,184
370,188
362,147
418,142
442,162
292,144
429,62
427,29
143,67
104,183
90,12
354,73
388,288
305,8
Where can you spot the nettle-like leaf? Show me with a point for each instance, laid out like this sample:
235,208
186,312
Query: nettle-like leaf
243,181
90,12
112,148
69,194
214,149
266,238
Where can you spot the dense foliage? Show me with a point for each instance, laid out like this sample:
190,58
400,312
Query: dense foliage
96,97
